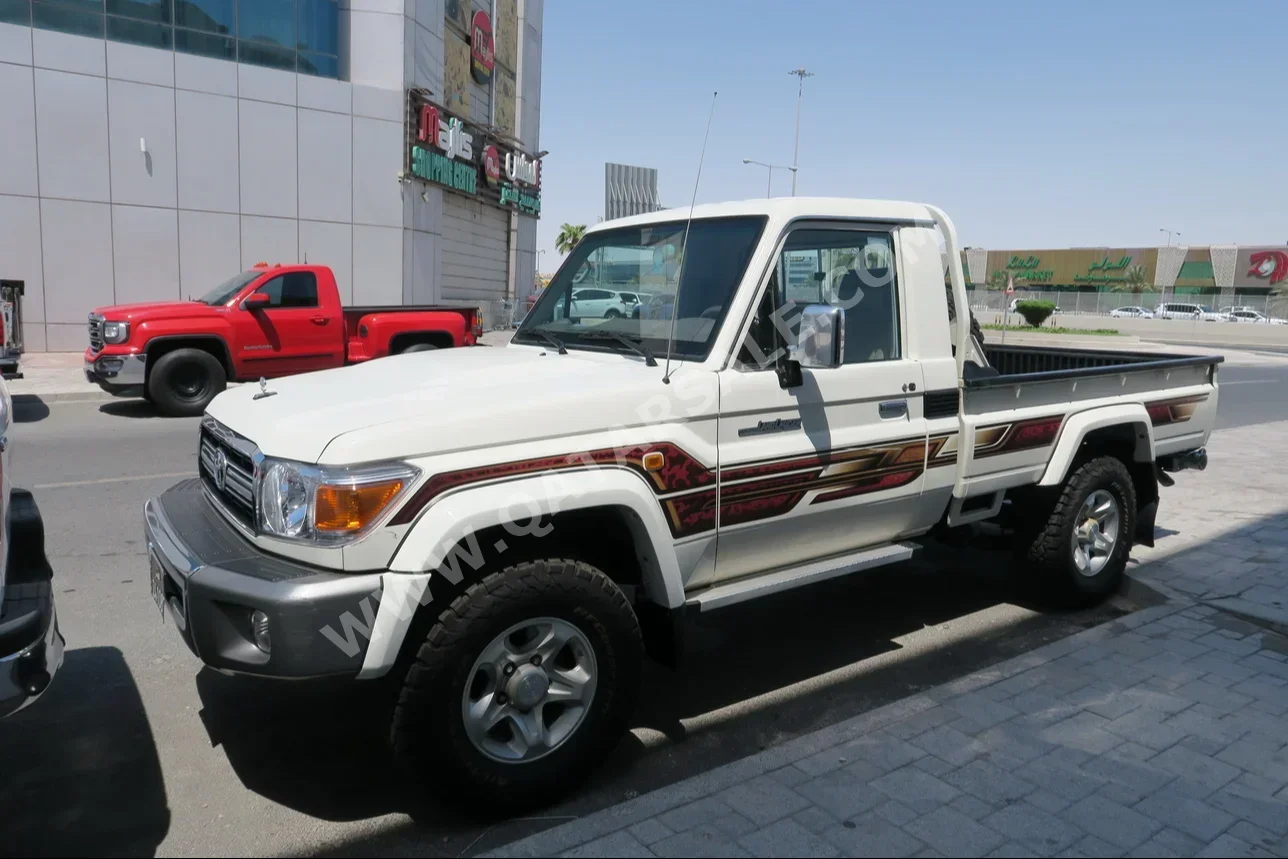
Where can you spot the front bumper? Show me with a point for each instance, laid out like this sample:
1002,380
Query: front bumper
31,645
212,579
122,375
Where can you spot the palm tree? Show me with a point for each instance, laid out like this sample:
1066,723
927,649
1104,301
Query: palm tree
997,280
1135,280
570,235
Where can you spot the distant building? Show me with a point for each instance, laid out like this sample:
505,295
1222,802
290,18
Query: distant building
629,191
1246,269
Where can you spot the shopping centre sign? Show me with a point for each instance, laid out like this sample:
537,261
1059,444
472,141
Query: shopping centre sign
1027,269
448,151
1105,271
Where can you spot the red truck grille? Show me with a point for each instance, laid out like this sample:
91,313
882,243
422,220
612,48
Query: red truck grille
95,332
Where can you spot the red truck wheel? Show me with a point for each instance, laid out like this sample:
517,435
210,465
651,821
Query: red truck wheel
183,382
418,347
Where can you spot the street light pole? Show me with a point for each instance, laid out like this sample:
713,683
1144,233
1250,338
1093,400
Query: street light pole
1170,233
770,168
800,92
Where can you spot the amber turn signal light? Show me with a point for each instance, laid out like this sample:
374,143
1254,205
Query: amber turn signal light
351,508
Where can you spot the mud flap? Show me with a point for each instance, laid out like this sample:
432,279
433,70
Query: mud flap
1145,524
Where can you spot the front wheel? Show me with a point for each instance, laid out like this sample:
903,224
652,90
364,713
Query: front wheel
1080,549
417,347
522,686
183,382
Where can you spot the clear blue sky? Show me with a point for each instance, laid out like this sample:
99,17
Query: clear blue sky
1033,124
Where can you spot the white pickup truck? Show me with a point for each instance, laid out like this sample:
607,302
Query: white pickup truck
500,533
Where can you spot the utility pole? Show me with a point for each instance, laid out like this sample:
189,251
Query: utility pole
800,91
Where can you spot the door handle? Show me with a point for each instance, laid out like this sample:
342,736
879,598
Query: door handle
893,409
321,320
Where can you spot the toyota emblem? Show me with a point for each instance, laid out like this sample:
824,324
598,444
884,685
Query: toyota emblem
221,470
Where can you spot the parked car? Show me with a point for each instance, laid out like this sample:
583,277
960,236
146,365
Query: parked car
31,643
595,303
381,534
1200,312
262,323
1235,308
1253,316
1132,313
11,345
657,306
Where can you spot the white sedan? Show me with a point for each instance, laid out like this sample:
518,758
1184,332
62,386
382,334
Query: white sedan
1132,313
1255,317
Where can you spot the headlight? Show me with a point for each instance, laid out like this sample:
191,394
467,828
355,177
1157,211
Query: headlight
325,505
116,332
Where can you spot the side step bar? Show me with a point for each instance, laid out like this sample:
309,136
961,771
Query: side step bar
754,587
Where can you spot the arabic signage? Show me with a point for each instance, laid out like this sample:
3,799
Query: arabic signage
482,48
446,150
1105,271
1261,267
1069,267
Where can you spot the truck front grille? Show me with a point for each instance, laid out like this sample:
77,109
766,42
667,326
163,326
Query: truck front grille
95,332
230,474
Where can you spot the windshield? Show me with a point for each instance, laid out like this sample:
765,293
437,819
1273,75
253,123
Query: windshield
225,291
626,280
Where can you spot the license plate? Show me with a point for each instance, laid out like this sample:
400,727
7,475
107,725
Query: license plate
157,575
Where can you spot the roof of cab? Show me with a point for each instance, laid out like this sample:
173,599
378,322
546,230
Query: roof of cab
785,209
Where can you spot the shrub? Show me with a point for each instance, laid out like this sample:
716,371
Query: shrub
1035,312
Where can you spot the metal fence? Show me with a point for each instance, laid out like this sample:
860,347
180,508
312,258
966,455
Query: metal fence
1104,303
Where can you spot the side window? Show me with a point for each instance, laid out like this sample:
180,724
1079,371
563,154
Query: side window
297,289
852,270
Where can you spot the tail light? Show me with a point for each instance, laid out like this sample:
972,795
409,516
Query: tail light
478,325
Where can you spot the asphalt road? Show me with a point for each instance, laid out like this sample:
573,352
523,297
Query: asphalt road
137,749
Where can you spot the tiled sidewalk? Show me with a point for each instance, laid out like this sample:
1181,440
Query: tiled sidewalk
1164,733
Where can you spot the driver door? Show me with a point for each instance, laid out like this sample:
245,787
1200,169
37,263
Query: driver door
293,333
835,464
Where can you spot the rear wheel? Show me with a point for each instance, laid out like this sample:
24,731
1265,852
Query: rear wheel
1080,549
522,686
613,313
183,382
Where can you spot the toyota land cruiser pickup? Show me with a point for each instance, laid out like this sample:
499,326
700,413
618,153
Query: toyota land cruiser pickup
812,408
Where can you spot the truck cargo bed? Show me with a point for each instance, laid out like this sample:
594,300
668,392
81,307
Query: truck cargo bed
1041,363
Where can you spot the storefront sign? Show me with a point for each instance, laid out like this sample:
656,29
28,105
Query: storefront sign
482,48
1271,266
448,151
1105,271
1027,269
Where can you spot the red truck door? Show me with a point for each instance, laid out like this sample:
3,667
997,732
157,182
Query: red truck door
298,331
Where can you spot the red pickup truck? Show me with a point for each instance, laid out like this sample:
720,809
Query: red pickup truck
266,322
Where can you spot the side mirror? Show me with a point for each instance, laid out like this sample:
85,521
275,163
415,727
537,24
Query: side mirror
256,301
821,342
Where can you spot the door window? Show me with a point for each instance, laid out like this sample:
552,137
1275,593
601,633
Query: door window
850,269
296,289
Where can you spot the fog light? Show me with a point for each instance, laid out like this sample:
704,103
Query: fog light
110,366
259,628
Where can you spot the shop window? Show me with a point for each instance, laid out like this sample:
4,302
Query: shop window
212,16
271,21
322,66
139,32
205,44
15,12
262,55
318,28
69,16
143,10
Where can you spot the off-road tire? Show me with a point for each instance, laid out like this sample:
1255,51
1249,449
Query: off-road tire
1046,543
428,732
183,382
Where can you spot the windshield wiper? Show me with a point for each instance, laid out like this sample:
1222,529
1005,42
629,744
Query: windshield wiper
634,345
551,340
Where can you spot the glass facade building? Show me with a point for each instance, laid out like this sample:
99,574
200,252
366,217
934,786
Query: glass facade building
293,35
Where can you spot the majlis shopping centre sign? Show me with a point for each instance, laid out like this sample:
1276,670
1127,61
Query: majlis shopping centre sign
446,150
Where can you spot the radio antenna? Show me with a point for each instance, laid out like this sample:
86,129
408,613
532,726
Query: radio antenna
684,242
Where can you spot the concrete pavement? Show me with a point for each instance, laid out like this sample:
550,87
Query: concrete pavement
1164,733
